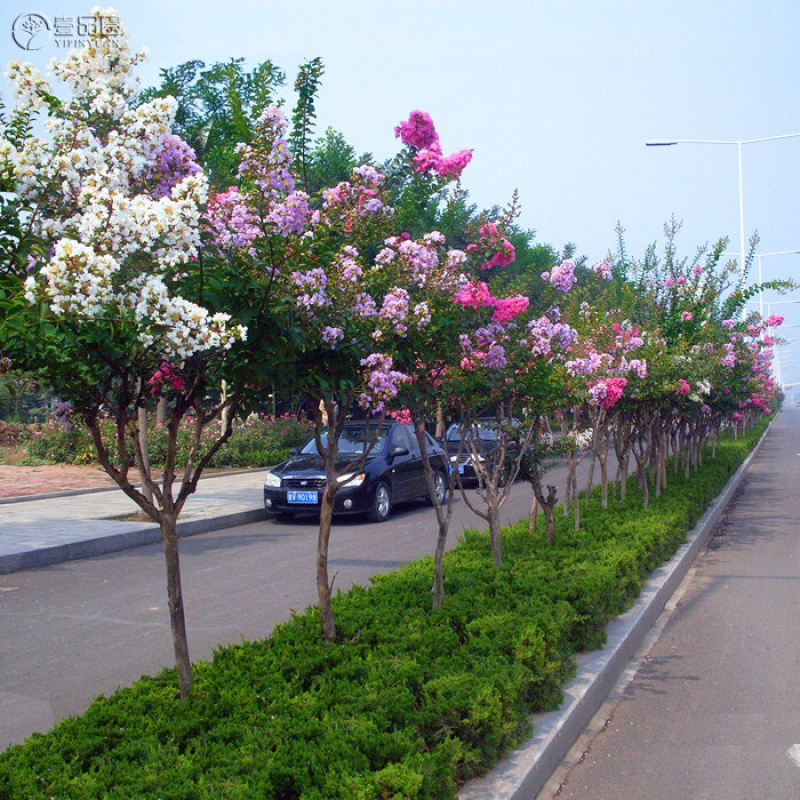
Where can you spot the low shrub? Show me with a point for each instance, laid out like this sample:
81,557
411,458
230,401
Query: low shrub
409,703
255,442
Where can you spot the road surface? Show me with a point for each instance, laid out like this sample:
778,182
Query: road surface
713,711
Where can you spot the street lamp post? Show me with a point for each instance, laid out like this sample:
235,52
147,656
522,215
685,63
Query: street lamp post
739,146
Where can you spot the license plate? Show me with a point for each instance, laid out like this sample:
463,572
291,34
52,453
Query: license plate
460,469
303,498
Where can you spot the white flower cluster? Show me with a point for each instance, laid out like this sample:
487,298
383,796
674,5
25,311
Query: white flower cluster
703,389
76,281
583,439
168,229
9,158
180,327
113,238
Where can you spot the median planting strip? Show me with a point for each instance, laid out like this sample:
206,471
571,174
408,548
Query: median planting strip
409,702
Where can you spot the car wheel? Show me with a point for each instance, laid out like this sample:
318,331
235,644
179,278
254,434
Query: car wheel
440,488
381,503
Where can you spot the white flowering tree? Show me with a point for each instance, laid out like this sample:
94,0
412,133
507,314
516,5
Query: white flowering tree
117,303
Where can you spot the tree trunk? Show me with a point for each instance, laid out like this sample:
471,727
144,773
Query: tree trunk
324,587
494,535
144,466
177,618
532,517
576,501
437,589
161,411
603,459
442,514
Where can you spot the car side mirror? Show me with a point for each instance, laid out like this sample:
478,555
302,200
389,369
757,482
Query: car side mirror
294,451
400,451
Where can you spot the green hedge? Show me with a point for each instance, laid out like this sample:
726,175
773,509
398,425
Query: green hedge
409,703
257,442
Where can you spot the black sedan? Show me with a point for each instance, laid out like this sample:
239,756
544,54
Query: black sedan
391,473
482,439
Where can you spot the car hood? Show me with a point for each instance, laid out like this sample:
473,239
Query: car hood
311,465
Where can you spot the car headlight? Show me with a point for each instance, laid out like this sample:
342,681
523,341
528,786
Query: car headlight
351,479
272,480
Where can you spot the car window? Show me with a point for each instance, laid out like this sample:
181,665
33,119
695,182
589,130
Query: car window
484,433
403,438
353,439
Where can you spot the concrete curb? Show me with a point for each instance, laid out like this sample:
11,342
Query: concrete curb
524,772
28,498
112,543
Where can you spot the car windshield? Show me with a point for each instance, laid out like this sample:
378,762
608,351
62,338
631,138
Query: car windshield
484,434
353,440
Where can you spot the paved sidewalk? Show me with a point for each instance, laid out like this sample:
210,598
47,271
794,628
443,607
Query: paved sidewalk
46,530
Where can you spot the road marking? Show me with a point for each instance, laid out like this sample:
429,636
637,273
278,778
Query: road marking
794,753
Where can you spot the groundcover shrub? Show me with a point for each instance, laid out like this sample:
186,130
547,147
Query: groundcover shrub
409,703
255,442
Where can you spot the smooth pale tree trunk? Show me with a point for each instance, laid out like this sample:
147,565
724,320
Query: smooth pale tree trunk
161,411
165,507
443,514
144,466
177,617
494,535
532,516
324,585
327,414
548,504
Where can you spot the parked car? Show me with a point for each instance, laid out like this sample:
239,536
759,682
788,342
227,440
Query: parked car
485,435
391,473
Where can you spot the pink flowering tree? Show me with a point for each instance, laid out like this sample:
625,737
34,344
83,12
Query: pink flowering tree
446,282
607,364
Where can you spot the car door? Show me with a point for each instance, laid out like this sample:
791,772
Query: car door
402,469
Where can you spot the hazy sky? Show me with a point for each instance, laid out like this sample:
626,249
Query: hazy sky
555,98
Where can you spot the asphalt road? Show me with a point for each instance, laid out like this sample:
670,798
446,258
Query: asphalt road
713,710
74,630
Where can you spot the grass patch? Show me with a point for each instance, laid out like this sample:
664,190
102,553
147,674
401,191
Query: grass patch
409,703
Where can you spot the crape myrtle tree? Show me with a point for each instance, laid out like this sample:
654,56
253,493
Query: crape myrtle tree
437,277
352,279
119,293
684,310
506,367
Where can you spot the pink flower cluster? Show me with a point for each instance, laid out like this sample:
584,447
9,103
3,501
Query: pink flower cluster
383,382
474,295
603,269
176,160
607,392
506,308
292,215
492,240
232,225
477,295
686,316
774,321
419,132
266,164
401,415
166,376
562,276
683,387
